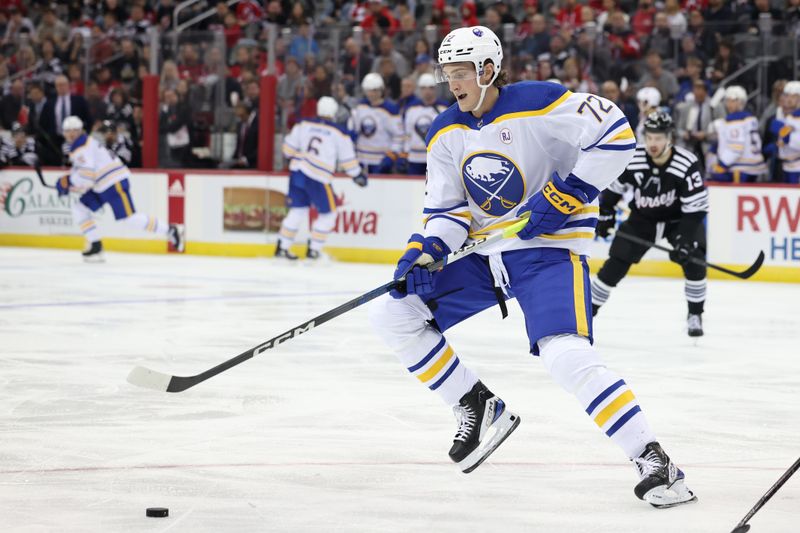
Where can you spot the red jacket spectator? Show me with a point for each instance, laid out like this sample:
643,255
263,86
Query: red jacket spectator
468,14
642,20
381,16
249,11
570,14
624,45
439,18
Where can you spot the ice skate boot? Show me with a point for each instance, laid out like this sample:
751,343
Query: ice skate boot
316,256
662,483
93,253
284,253
176,238
483,424
694,325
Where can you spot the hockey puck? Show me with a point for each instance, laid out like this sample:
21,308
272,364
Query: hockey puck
157,512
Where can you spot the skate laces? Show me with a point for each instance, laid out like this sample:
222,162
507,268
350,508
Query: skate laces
465,416
649,464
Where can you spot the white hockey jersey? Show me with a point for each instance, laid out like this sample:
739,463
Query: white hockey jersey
379,131
417,120
480,170
94,167
317,147
739,144
789,152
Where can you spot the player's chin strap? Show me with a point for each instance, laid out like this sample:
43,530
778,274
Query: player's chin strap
484,87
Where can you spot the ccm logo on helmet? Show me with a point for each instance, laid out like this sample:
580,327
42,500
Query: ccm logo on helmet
563,202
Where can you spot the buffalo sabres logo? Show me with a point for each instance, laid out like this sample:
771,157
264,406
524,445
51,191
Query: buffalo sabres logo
422,126
494,182
368,127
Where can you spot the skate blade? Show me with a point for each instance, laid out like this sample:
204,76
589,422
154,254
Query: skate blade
94,259
664,497
495,436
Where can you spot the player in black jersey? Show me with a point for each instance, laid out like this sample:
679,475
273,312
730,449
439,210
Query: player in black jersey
669,200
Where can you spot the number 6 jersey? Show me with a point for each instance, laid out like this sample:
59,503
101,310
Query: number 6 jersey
317,146
480,170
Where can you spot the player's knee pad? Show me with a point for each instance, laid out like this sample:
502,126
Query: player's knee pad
613,270
571,360
325,222
399,322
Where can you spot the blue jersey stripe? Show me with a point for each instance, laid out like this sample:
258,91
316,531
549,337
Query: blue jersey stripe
428,357
445,375
429,210
460,223
614,126
603,395
622,420
618,147
585,223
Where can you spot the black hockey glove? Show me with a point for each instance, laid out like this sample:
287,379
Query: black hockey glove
606,221
685,248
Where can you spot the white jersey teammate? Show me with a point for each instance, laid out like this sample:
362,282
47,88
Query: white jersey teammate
788,134
417,120
102,179
501,151
316,148
738,154
378,127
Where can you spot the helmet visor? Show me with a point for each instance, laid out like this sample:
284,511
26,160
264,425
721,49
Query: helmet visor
462,72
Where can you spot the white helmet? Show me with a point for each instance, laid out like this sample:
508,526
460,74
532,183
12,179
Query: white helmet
327,107
793,87
72,123
736,92
650,95
372,81
475,44
426,80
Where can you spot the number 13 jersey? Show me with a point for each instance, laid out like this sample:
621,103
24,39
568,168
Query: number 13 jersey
481,170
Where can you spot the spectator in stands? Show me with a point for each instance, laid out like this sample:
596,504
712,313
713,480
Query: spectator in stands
174,124
17,26
303,44
120,111
624,46
246,152
320,82
688,49
299,13
675,18
439,18
169,75
773,115
113,7
391,79
597,59
762,8
105,81
469,13
538,41
51,27
791,14
405,40
387,51
569,14
275,13
126,67
694,119
19,150
232,30
11,104
610,90
705,39
111,27
63,105
660,40
289,85
642,21
190,66
35,106
657,76
355,64
492,20
408,87
726,62
720,17
75,51
249,13
75,75
606,8
575,79
691,74
559,53
49,65
95,100
379,16
137,24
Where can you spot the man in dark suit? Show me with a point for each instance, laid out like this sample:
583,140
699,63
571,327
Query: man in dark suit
246,153
61,106
12,104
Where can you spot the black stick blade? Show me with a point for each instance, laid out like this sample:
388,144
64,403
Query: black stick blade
741,529
753,268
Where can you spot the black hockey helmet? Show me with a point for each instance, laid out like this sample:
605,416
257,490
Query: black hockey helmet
658,121
107,126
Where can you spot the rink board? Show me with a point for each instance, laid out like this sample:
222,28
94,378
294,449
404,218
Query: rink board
239,213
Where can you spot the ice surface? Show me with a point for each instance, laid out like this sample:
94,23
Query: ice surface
329,433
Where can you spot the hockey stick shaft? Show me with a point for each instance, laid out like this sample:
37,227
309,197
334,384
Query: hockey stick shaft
38,168
766,497
747,273
144,377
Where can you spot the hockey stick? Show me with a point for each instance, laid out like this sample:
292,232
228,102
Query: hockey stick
37,166
743,526
151,379
742,275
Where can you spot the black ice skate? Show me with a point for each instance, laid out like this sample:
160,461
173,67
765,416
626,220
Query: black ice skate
284,253
176,237
694,324
483,424
93,253
662,483
316,256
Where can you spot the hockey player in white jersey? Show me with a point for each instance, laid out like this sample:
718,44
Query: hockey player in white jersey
647,99
316,147
738,152
100,178
670,200
378,127
787,132
497,153
417,120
